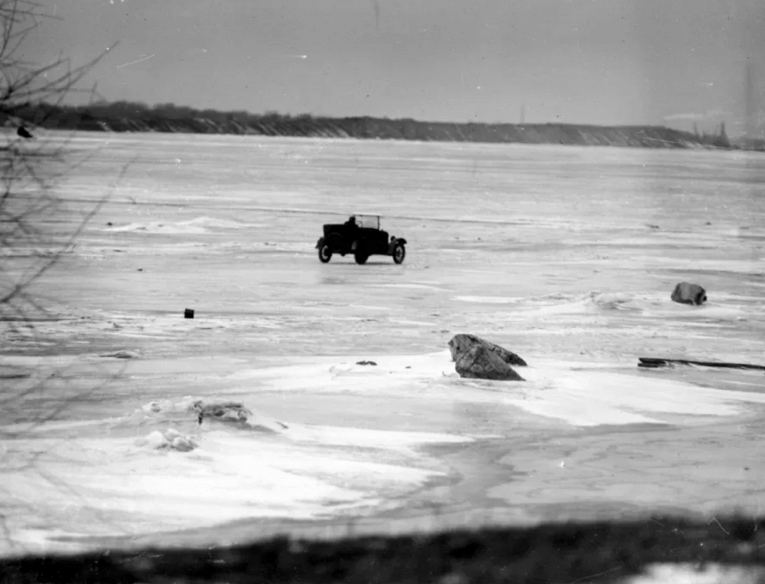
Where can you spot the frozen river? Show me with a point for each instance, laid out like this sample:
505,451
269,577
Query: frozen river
564,255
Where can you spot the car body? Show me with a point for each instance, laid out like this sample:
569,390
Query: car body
361,236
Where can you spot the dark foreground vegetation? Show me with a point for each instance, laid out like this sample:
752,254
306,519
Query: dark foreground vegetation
136,117
587,552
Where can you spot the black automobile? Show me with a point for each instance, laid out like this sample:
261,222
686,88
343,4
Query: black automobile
360,235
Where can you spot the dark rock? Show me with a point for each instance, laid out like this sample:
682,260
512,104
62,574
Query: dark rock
121,354
462,343
222,411
237,414
479,362
365,363
686,293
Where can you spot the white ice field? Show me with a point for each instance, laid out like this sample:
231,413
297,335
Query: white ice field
565,255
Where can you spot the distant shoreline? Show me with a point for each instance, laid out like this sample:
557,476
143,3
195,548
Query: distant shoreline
168,118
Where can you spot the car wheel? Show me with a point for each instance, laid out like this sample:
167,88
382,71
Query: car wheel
325,254
360,257
399,253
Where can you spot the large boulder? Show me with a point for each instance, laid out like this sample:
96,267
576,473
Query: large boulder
462,343
686,293
479,362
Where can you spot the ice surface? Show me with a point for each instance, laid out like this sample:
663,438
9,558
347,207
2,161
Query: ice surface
564,255
687,573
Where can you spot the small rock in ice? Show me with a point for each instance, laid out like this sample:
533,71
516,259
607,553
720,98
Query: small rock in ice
222,411
178,441
156,439
237,414
686,293
121,354
156,406
170,440
166,405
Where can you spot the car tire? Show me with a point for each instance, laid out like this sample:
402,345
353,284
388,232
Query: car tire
399,253
360,257
325,254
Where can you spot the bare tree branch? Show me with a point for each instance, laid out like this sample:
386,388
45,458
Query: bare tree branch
30,247
27,172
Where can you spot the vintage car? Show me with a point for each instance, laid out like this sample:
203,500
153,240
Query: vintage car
360,235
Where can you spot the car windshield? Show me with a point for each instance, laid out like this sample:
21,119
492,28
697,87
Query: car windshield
368,221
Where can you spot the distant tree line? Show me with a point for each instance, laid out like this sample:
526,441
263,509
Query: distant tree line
718,139
124,116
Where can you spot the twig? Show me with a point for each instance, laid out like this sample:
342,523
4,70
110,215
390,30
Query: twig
595,575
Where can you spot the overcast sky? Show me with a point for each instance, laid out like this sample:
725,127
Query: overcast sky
575,61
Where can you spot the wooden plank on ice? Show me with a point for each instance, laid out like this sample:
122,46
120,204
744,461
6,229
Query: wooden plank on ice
655,362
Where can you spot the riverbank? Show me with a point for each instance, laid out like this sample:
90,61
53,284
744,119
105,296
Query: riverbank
641,551
136,117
